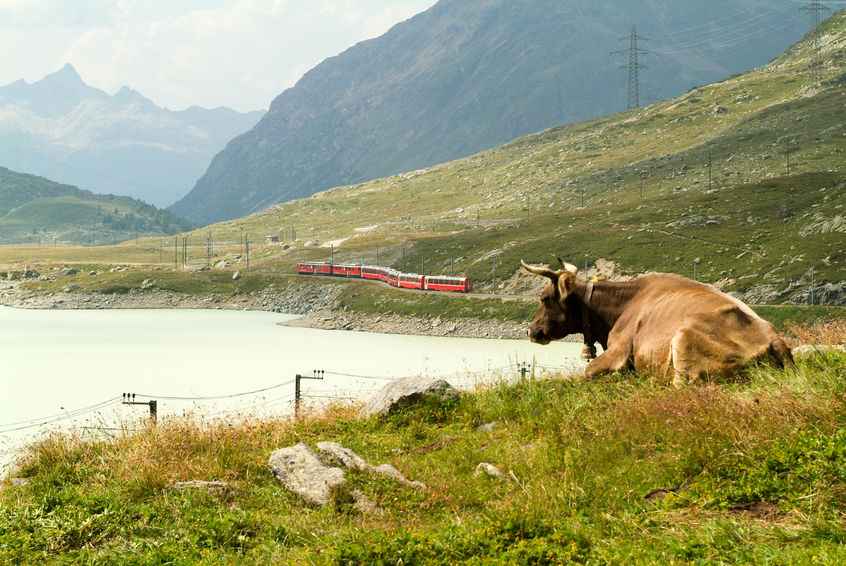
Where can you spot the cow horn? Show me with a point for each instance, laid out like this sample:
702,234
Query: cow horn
541,271
569,267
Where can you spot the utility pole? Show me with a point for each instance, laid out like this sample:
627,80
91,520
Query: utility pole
175,253
318,375
813,284
247,250
815,9
332,251
633,66
710,170
129,399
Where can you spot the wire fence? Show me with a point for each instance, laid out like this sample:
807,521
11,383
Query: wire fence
321,394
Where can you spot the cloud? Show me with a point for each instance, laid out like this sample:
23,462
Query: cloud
240,53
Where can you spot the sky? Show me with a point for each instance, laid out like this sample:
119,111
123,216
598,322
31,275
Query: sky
236,53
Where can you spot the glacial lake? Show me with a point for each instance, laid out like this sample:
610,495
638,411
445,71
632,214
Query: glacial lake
53,364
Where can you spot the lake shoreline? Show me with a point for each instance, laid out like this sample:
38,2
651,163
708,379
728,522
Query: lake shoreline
317,306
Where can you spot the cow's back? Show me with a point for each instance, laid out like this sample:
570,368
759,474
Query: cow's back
701,326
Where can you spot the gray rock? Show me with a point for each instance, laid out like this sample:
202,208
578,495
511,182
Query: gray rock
352,461
201,484
403,393
343,456
393,473
810,349
148,284
236,276
301,472
487,427
489,470
71,288
70,271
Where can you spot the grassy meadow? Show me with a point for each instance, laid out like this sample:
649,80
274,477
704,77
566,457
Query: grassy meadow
621,470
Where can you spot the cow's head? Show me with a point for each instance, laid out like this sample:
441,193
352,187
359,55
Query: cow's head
554,319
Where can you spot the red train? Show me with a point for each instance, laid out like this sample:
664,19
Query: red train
392,277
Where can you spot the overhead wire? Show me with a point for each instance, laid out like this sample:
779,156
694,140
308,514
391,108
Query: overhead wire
57,417
214,397
721,41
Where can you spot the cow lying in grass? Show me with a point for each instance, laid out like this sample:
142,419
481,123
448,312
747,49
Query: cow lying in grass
657,323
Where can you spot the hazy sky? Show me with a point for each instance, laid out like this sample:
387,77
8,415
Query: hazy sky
238,53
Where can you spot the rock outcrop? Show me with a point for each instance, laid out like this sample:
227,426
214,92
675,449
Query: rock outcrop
410,391
352,461
302,472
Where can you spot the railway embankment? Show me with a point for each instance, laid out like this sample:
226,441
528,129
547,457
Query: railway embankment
327,304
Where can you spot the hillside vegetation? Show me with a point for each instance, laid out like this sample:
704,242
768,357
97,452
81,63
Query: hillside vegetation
469,75
619,471
36,210
632,187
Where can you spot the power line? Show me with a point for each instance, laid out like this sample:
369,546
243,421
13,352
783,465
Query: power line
357,376
816,8
722,40
58,417
633,66
216,397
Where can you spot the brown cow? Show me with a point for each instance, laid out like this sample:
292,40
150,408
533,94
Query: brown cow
664,323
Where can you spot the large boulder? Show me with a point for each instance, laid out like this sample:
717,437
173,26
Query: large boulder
300,471
407,392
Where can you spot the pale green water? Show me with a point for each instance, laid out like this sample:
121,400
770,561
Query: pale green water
52,362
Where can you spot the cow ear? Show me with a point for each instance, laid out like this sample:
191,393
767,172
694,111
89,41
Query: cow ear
566,284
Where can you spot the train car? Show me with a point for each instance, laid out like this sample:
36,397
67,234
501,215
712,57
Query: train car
309,268
392,277
448,284
372,273
412,281
346,270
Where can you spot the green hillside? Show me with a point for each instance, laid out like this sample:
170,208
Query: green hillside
632,187
36,210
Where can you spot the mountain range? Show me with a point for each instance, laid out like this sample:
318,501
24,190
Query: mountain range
60,127
467,75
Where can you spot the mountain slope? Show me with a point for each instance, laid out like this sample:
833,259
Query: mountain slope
469,75
61,128
34,209
632,187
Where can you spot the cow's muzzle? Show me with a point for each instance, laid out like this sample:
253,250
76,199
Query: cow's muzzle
538,336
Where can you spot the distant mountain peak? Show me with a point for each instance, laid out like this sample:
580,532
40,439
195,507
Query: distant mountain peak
67,75
128,95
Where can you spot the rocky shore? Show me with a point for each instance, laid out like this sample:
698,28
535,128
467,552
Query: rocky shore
317,304
415,326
